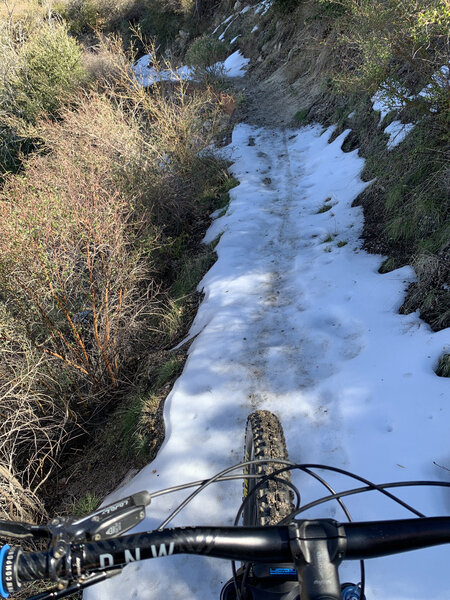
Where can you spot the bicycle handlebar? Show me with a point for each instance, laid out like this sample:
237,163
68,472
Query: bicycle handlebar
254,544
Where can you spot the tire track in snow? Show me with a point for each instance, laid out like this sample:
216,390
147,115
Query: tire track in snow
281,349
306,328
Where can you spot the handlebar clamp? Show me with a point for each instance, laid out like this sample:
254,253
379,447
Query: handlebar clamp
318,548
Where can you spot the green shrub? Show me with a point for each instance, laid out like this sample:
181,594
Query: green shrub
381,39
323,8
203,55
85,16
159,21
155,19
40,68
286,6
86,504
331,8
50,70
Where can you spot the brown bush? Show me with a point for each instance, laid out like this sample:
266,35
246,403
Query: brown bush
81,265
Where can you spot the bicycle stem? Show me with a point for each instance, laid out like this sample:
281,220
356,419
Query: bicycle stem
318,548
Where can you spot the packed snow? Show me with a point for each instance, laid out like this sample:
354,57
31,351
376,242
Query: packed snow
146,74
235,65
222,35
385,103
397,131
296,319
440,79
227,20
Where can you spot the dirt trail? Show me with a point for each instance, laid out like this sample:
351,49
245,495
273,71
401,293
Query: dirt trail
283,354
264,103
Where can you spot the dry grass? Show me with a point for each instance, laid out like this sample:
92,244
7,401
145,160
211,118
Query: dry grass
82,261
23,10
430,292
33,425
179,120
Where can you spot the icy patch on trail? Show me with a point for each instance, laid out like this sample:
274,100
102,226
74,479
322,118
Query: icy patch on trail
296,319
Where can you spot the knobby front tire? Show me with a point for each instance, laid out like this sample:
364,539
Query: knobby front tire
272,502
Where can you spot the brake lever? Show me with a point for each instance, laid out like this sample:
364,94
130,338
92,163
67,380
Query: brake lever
21,530
104,523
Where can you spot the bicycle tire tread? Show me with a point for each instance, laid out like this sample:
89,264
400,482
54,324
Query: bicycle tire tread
274,501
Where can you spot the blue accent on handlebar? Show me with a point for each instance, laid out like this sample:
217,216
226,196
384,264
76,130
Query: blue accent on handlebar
3,553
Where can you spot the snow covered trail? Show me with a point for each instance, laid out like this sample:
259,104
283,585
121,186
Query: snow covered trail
297,319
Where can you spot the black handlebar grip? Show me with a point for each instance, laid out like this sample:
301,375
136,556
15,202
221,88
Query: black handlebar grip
17,568
32,566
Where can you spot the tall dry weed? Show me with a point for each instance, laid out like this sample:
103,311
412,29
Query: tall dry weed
178,120
82,260
35,420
